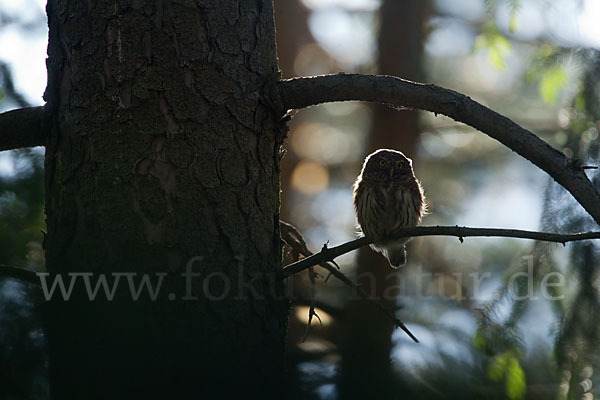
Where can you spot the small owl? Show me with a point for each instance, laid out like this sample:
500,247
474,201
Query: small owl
387,196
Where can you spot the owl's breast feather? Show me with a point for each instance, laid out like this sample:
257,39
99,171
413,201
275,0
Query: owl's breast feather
382,209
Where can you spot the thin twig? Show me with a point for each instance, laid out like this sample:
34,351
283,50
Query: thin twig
313,297
329,254
390,314
294,239
399,93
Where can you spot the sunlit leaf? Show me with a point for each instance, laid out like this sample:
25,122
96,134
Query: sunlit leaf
496,45
497,368
512,22
501,42
515,380
552,81
496,59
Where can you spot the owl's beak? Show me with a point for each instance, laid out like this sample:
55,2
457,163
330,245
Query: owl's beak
391,172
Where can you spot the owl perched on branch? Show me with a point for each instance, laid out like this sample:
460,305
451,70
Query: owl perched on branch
387,196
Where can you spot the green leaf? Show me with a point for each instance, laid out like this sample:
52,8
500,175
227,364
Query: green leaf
479,341
497,368
501,42
514,6
516,387
512,22
552,81
496,59
495,43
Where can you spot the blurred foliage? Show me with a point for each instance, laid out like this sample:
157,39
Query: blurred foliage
22,210
22,343
546,68
21,194
495,44
9,93
23,360
552,81
526,330
513,6
505,367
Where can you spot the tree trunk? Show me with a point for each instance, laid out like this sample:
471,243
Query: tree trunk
161,156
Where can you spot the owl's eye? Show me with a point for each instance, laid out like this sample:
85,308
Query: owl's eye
399,164
382,163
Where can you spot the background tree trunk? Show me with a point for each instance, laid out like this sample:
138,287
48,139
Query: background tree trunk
367,339
161,153
291,21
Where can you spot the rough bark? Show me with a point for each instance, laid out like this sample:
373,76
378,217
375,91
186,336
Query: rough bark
160,152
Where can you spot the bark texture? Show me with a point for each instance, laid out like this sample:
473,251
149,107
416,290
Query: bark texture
161,152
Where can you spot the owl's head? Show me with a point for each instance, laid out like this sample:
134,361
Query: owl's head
387,165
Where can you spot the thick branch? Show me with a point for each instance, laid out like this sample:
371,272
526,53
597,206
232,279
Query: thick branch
303,92
21,128
329,254
21,274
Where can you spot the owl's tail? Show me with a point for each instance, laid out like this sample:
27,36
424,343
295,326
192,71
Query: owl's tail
396,255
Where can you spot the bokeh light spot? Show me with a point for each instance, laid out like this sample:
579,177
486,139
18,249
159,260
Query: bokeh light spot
310,178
